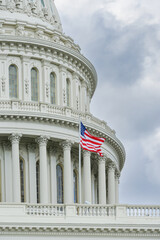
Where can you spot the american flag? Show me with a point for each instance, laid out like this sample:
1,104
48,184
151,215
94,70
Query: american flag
89,142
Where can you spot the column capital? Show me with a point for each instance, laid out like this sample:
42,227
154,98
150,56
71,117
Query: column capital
66,145
86,153
31,147
75,75
52,149
111,166
15,137
84,84
117,175
101,160
6,145
42,140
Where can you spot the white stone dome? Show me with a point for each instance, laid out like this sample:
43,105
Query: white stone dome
40,12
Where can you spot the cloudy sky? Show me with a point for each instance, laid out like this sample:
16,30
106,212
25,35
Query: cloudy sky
122,40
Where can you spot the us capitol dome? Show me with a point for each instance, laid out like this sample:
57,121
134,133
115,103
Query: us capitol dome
46,86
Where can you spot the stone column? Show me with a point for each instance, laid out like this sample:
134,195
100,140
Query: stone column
87,176
52,151
15,138
67,172
42,141
102,180
117,176
111,183
32,173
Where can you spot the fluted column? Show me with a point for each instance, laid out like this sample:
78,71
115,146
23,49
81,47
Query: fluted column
42,141
32,173
102,180
111,183
52,151
67,172
15,138
117,176
87,176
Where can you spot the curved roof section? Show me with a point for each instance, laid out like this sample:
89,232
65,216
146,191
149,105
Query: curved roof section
40,11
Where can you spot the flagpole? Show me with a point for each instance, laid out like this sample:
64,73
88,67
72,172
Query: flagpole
79,162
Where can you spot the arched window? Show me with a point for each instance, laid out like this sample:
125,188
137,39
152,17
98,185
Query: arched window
68,92
38,181
13,81
22,179
59,183
53,88
34,84
75,186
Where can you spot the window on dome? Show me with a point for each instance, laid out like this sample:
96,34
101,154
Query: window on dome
38,181
52,88
22,179
59,171
34,84
75,186
68,92
13,81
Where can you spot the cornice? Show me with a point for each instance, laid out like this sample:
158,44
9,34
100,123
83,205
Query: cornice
52,49
81,230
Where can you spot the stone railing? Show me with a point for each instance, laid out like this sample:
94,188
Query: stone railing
95,210
143,211
83,211
23,106
45,210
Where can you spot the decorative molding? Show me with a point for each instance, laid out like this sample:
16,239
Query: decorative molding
42,140
66,144
15,138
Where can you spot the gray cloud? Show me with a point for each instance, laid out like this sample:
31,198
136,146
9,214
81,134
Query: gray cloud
122,40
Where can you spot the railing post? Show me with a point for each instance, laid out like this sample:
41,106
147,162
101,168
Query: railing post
70,210
121,211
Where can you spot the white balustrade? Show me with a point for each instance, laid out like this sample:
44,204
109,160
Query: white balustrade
143,211
95,210
53,109
45,210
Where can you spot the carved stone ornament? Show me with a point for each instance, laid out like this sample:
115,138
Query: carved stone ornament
15,137
20,31
86,153
111,167
3,83
26,86
7,145
42,140
47,89
66,144
64,96
31,147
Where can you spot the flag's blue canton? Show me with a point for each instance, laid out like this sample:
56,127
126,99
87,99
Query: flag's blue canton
82,129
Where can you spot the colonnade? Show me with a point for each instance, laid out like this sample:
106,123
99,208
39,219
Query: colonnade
103,166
